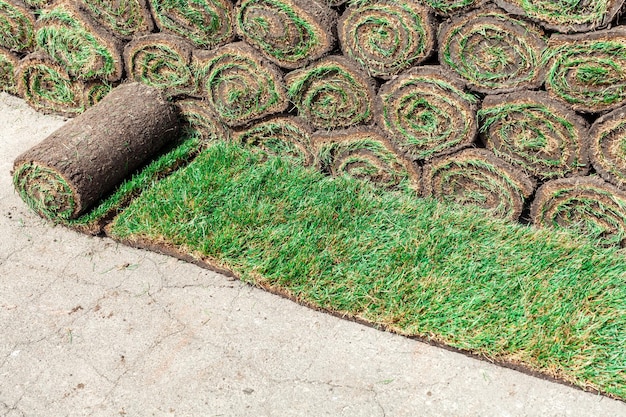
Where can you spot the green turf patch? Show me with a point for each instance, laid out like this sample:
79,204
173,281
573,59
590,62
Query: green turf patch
541,299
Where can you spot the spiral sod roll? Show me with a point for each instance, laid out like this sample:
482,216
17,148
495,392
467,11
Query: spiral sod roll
385,36
17,26
366,154
123,18
290,33
427,112
201,121
607,152
588,205
493,52
535,133
449,7
161,60
8,64
86,158
477,177
285,136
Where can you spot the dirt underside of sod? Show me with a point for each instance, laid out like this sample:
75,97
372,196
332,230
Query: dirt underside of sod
542,301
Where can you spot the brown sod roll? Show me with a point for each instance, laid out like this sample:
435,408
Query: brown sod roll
38,4
535,133
565,17
332,93
70,170
364,153
425,112
492,51
161,60
240,85
285,136
607,149
387,36
123,18
290,33
17,26
587,205
8,65
588,71
200,120
477,177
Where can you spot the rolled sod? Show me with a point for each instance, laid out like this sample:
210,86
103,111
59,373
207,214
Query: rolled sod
386,36
239,84
8,65
17,26
588,205
565,17
477,177
366,154
123,18
290,33
588,71
426,112
70,36
332,93
161,60
70,170
449,7
95,91
200,120
607,149
285,136
205,23
492,51
38,4
537,134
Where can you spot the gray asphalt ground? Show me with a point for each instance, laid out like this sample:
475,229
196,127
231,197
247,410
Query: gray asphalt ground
93,328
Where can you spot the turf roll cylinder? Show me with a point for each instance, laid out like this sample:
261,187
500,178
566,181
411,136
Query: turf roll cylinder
8,64
288,137
537,134
87,51
588,71
70,170
587,205
162,61
607,148
366,154
200,120
123,18
477,177
239,84
386,36
492,51
17,26
449,7
332,93
290,33
426,112
204,23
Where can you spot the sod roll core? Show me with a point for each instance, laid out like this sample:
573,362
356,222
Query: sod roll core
70,170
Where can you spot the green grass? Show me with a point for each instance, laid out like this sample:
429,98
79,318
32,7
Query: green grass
543,299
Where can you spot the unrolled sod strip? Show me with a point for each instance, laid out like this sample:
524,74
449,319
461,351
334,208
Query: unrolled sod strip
8,64
587,205
386,36
285,136
70,170
449,7
290,33
17,26
535,133
565,17
366,154
332,93
492,51
204,23
200,120
72,38
588,71
426,112
161,60
123,18
239,84
607,148
477,177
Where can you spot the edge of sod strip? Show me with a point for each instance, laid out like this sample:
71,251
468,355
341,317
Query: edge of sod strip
557,17
290,33
17,26
414,267
536,134
598,62
587,205
386,37
8,65
477,177
608,154
199,120
493,52
125,20
426,112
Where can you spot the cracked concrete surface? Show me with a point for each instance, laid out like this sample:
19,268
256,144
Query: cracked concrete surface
93,328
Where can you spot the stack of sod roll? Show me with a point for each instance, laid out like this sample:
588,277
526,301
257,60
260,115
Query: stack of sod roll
517,106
